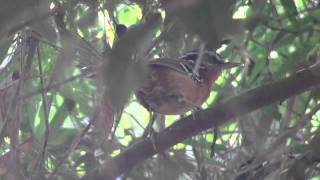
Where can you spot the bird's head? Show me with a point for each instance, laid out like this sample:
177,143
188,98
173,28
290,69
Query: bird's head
209,60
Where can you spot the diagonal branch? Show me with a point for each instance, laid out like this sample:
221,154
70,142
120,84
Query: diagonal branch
216,115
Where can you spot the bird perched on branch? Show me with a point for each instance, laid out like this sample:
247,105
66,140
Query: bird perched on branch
175,86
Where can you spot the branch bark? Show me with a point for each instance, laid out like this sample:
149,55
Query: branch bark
216,115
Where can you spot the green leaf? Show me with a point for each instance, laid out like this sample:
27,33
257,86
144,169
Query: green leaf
128,14
291,10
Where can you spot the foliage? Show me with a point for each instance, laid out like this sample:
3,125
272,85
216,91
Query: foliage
61,59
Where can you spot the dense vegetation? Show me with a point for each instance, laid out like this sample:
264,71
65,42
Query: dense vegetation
69,67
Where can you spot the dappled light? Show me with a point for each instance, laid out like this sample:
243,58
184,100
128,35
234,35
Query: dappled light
166,89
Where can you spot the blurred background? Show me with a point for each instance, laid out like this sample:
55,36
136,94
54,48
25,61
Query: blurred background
69,68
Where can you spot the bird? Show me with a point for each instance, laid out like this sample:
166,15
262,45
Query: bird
176,86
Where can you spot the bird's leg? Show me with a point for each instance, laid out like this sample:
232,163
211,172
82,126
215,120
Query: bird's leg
195,109
150,132
194,106
149,129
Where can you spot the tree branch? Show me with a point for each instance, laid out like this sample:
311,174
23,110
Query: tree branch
216,115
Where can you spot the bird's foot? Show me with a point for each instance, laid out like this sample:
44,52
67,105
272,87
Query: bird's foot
152,137
192,105
195,109
151,134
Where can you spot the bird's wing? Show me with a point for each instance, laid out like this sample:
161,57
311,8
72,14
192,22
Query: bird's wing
179,65
207,55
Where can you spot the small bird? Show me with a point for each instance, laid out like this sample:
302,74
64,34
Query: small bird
174,86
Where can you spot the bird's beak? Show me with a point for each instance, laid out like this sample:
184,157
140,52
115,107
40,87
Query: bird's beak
228,65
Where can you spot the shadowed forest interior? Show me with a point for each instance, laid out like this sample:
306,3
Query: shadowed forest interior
163,89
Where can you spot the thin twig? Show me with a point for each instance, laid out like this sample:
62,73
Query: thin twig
199,160
10,56
134,118
25,56
195,70
280,18
50,87
45,111
72,147
158,39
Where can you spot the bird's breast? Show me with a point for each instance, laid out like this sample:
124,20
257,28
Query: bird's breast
167,91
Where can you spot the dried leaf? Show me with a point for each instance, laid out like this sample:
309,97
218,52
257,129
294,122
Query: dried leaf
126,67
